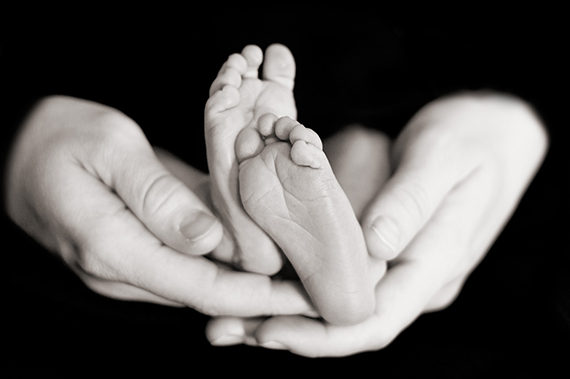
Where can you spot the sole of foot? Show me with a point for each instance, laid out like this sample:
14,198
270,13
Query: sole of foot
237,96
287,186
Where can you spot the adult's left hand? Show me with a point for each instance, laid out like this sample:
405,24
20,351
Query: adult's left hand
460,166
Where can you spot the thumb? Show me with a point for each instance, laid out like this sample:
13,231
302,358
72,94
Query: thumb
163,203
424,175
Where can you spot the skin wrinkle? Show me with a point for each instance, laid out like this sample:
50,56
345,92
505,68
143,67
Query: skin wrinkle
295,207
270,165
283,197
289,219
299,227
145,203
307,213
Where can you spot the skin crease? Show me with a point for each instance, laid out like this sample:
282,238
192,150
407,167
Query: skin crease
239,95
290,195
86,184
460,167
307,213
510,147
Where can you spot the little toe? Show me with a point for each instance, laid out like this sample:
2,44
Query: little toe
222,100
279,65
229,77
300,133
248,144
283,127
254,56
304,154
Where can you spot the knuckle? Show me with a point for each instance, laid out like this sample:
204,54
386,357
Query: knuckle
382,341
111,136
441,302
99,286
109,128
415,200
93,259
160,194
115,127
89,262
205,307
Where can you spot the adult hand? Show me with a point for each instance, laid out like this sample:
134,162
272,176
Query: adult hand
84,182
460,167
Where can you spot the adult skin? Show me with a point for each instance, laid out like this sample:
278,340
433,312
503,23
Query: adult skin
460,167
85,183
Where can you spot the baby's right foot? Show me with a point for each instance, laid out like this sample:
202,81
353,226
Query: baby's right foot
287,186
237,98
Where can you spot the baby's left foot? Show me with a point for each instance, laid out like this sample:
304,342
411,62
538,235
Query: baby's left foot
287,186
237,98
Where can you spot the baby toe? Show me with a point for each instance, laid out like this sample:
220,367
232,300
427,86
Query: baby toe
300,133
279,65
283,127
229,77
266,124
235,61
305,154
253,56
248,144
226,98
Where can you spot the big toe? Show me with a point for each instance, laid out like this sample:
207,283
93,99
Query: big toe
279,65
248,144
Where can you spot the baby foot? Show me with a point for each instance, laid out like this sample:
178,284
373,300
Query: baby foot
287,186
237,99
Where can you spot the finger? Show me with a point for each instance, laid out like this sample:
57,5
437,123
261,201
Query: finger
196,180
314,338
303,336
214,290
167,207
426,172
123,291
401,297
229,330
428,274
360,159
445,296
112,244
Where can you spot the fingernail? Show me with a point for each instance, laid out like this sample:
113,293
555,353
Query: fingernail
387,231
197,225
273,345
227,340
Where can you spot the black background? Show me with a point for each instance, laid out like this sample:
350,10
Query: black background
512,316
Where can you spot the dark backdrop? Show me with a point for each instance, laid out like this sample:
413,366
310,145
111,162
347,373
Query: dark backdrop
511,317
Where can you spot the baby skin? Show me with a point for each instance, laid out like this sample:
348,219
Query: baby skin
288,187
238,97
286,191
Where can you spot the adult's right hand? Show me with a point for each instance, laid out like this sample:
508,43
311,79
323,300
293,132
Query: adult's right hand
86,184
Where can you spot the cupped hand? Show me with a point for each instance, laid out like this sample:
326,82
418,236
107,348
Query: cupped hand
460,168
85,183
